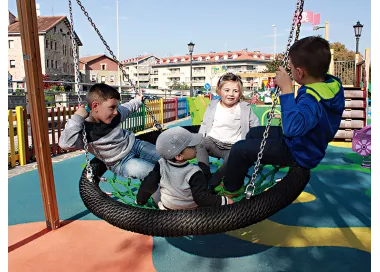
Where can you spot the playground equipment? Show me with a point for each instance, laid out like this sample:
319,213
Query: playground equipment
202,220
361,144
248,211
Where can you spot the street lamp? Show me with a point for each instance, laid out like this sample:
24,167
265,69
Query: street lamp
191,48
326,27
358,32
274,42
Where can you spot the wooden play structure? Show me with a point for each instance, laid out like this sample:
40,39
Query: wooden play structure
356,96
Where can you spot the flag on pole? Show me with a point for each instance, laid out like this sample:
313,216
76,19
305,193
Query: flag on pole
311,17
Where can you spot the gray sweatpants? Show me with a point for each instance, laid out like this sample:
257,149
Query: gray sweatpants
211,147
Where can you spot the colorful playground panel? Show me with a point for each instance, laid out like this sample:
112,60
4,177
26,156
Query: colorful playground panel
198,105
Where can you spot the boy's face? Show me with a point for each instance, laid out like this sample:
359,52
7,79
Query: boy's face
106,110
188,154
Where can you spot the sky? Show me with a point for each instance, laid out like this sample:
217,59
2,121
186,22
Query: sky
165,27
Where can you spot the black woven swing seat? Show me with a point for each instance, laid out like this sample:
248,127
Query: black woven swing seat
201,221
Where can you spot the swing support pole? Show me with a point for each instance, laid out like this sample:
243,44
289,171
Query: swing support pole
33,71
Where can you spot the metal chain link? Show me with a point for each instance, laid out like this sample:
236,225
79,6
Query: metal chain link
90,174
156,124
297,17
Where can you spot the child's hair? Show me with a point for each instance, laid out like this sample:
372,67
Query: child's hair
312,54
101,92
229,77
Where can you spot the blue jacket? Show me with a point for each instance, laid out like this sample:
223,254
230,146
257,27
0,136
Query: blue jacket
311,120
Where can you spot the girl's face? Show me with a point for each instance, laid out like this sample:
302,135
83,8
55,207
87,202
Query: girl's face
230,93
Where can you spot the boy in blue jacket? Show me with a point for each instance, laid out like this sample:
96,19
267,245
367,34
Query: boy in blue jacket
309,121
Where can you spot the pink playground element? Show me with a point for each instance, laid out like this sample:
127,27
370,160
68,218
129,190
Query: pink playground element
361,142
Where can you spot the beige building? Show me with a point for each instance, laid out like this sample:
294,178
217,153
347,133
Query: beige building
163,73
207,68
55,48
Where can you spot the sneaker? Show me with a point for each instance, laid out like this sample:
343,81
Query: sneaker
221,190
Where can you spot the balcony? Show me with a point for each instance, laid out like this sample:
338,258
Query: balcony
173,73
199,83
143,70
198,72
144,78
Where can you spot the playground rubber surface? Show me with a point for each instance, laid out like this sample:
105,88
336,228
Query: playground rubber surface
328,228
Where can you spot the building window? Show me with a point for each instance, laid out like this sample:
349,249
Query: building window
47,63
12,64
51,45
47,44
103,79
63,49
93,78
103,67
52,64
11,44
56,66
55,29
112,78
55,46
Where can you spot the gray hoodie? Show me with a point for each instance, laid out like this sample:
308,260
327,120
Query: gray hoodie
108,142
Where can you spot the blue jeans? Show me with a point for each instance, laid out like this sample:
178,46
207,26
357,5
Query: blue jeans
139,162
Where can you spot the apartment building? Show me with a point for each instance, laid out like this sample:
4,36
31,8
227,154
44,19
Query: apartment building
207,68
139,70
56,52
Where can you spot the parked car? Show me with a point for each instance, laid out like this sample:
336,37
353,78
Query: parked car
151,97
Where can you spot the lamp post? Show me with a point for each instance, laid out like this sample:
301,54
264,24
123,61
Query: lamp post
326,27
274,42
118,45
191,48
358,32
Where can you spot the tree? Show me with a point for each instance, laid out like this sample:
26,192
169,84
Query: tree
176,85
272,66
341,52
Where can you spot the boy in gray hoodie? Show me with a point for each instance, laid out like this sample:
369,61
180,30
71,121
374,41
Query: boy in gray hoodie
183,186
118,148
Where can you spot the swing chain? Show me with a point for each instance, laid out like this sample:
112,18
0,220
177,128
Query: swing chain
125,75
250,189
78,88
